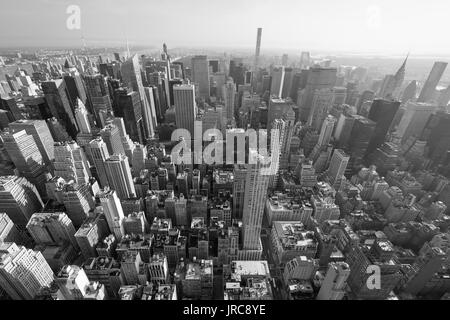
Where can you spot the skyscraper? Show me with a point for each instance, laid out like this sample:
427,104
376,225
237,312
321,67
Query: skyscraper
382,112
52,228
78,201
277,82
338,165
318,78
321,105
70,162
24,153
111,136
229,93
119,176
185,106
200,75
131,74
257,50
98,93
253,209
57,97
429,87
99,154
129,108
23,272
19,199
41,134
112,208
414,119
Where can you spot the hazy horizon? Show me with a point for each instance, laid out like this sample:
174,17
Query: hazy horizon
358,26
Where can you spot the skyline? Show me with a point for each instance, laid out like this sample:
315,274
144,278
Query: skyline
369,27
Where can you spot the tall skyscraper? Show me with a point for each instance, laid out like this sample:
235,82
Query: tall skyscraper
382,112
185,106
361,134
321,105
82,117
119,176
257,50
98,93
23,272
111,136
19,199
277,82
131,74
338,165
129,108
200,75
52,228
78,200
414,119
70,162
429,87
57,98
24,153
229,94
410,92
41,134
99,154
255,192
318,78
112,208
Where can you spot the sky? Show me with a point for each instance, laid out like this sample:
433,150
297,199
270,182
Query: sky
376,26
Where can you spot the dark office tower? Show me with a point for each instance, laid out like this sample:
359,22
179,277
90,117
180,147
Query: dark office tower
117,56
410,92
382,112
428,263
367,95
185,107
266,83
25,154
41,134
129,108
287,83
361,134
98,93
10,104
19,199
318,78
55,92
200,75
172,83
75,86
257,50
156,79
437,135
238,73
429,87
298,83
214,65
131,76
